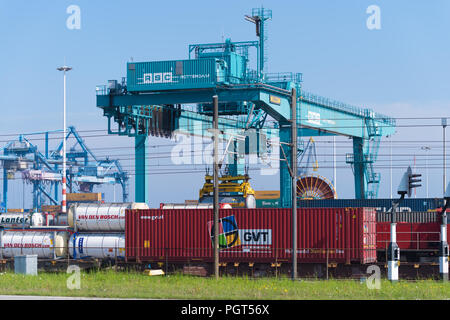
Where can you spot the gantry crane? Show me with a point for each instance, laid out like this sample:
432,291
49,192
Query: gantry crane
155,99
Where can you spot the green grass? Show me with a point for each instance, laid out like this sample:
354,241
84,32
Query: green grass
110,284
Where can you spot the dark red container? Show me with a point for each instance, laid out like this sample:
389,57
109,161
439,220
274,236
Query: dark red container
410,236
341,235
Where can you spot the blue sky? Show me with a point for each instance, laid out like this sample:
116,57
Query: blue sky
401,70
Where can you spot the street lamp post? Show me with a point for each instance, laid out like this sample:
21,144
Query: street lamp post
444,124
390,167
65,69
426,149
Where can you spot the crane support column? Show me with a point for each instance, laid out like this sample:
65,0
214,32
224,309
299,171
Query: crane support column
141,164
285,161
56,186
5,189
235,165
358,166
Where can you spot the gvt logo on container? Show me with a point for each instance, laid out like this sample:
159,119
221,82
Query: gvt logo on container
231,236
228,232
256,236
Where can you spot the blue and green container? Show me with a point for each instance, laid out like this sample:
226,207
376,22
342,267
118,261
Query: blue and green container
175,75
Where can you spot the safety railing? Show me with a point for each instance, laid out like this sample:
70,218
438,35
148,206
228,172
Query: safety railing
284,76
340,106
415,240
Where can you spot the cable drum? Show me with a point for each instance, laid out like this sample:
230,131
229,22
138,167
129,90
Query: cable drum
315,187
100,217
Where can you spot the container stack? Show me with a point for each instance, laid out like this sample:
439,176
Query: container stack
46,234
99,230
340,235
31,233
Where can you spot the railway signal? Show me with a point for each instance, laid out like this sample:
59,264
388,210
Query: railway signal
409,181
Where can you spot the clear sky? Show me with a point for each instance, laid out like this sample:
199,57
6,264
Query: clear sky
401,70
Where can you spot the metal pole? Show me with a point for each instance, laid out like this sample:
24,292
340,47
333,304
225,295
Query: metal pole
334,164
393,249
64,209
216,186
390,168
444,124
443,247
64,203
426,166
294,182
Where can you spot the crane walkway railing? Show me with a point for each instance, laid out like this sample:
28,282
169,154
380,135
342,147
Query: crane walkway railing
340,106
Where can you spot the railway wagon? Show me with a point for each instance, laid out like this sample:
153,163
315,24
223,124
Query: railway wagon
418,241
418,234
338,235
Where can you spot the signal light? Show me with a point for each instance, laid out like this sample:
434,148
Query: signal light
413,182
409,181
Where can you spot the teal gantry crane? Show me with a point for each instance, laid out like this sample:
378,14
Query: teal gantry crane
154,100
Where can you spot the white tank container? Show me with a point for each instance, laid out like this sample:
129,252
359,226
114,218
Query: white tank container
15,220
43,244
100,217
97,245
39,219
20,220
194,206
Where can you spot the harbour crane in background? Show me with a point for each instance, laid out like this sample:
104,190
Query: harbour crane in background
43,169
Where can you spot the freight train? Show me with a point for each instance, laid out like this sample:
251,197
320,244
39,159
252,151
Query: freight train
341,235
93,231
133,233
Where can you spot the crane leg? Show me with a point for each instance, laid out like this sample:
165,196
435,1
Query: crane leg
359,168
141,165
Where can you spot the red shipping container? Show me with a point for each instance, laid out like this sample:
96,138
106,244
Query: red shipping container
410,236
404,235
425,236
341,235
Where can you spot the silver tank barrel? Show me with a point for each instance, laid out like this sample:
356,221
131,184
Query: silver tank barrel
100,217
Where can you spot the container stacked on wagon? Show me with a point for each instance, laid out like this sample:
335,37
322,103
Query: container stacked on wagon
90,229
99,230
43,233
32,233
340,235
418,225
